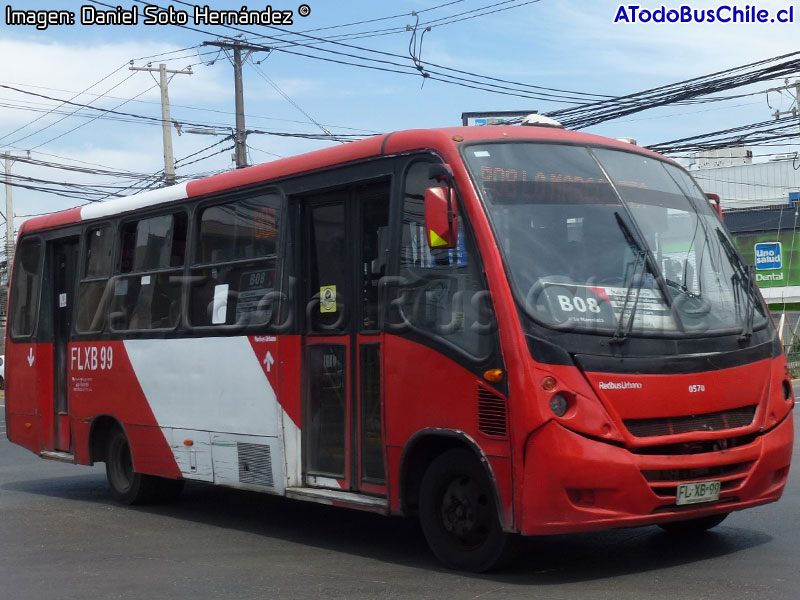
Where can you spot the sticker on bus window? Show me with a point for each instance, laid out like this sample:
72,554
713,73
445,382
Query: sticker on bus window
219,315
327,299
255,288
145,279
482,154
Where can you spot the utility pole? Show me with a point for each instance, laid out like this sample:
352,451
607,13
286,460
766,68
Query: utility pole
166,122
9,236
9,217
241,133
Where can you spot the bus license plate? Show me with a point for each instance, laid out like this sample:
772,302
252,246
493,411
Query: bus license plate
694,493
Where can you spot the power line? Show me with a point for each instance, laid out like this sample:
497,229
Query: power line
27,106
286,96
196,46
380,18
784,128
391,66
73,98
217,143
689,89
155,120
229,148
92,119
80,107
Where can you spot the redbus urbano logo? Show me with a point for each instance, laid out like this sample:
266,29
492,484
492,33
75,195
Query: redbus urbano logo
768,256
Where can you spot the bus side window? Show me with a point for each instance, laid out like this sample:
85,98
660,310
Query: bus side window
235,263
26,288
95,290
147,293
442,292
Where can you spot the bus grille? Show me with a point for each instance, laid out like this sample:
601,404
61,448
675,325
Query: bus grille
664,483
717,421
682,475
491,413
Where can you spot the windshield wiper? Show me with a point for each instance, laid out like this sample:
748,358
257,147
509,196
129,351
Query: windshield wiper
681,287
745,278
621,333
750,310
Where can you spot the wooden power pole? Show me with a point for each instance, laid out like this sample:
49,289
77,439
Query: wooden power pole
241,133
166,122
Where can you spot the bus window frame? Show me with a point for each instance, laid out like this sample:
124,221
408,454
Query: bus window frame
10,317
493,357
116,274
281,259
365,172
545,330
82,266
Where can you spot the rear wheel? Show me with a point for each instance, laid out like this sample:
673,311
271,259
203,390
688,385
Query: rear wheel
128,486
459,515
693,526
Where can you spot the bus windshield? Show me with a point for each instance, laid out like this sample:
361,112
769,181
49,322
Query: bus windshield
611,242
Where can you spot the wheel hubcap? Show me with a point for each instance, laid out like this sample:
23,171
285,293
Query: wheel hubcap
464,511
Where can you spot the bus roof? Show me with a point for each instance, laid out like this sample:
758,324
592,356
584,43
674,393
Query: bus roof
443,140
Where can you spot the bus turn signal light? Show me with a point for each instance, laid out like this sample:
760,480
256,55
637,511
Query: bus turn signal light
549,384
188,443
494,375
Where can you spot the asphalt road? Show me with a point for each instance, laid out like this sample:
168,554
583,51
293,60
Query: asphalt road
62,537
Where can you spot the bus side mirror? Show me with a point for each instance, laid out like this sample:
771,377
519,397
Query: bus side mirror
715,203
440,217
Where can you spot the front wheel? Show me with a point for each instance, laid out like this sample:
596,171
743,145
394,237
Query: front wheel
128,486
459,515
693,526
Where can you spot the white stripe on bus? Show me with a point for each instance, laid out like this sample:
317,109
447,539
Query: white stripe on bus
198,386
98,210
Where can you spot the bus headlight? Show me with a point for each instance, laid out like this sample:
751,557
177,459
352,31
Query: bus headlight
559,405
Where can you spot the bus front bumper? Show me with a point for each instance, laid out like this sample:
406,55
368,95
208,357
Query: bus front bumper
573,483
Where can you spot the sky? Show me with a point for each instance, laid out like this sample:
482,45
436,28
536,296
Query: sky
564,44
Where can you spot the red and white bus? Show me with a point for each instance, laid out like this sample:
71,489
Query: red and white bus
499,329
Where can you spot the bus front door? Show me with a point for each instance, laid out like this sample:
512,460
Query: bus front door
57,307
345,251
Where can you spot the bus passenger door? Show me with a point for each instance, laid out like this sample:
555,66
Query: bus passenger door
63,262
345,243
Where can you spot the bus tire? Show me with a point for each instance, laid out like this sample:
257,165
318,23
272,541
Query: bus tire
458,513
129,487
693,526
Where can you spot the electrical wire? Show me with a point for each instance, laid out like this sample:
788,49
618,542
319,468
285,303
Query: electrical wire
285,96
690,89
92,119
781,129
391,66
98,82
31,107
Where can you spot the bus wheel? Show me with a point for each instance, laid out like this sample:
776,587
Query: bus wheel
693,526
459,515
128,486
